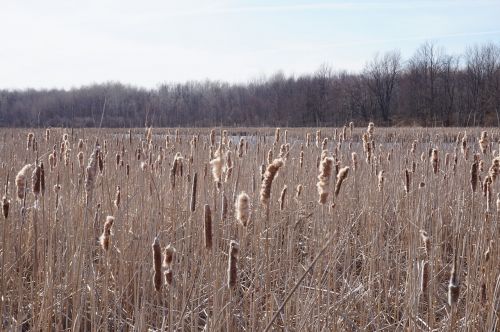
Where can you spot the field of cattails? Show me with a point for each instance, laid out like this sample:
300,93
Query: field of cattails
335,229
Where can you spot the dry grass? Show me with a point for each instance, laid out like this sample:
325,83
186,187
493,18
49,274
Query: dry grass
361,261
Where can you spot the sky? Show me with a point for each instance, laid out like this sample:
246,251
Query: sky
67,43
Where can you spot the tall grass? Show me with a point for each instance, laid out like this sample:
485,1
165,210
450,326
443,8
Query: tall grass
404,241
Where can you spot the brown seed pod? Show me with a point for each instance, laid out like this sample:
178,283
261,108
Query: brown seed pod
5,207
157,264
232,266
208,226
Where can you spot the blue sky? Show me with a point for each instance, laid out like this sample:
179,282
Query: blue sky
68,43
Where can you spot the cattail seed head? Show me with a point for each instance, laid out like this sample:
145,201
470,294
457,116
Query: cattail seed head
341,176
21,181
168,260
208,226
298,191
269,175
243,208
232,268
157,264
323,184
105,238
282,198
5,207
381,180
474,176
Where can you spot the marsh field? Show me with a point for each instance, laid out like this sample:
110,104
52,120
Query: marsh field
242,229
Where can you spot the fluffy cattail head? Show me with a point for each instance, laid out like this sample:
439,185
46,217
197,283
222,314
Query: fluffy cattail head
341,176
105,238
269,175
426,242
168,260
325,172
243,208
21,181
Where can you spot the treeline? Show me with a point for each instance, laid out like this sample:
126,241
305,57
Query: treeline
432,88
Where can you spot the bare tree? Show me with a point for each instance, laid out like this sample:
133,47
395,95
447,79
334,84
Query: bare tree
382,74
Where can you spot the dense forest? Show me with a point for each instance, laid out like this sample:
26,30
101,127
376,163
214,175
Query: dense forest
431,88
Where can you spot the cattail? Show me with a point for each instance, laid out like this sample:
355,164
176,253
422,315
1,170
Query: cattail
367,148
371,127
484,142
413,147
435,160
424,279
229,165
117,197
301,159
5,207
193,192
52,161
407,181
453,285
325,172
232,266
318,138
241,147
243,208
464,144
474,176
224,207
269,156
498,202
80,144
351,128
91,173
282,198
354,158
494,170
308,140
157,264
298,191
176,168
217,170
105,238
208,226
426,241
341,176
324,145
271,171
168,260
21,181
36,179
212,137
381,179
80,159
29,140
47,134
277,136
